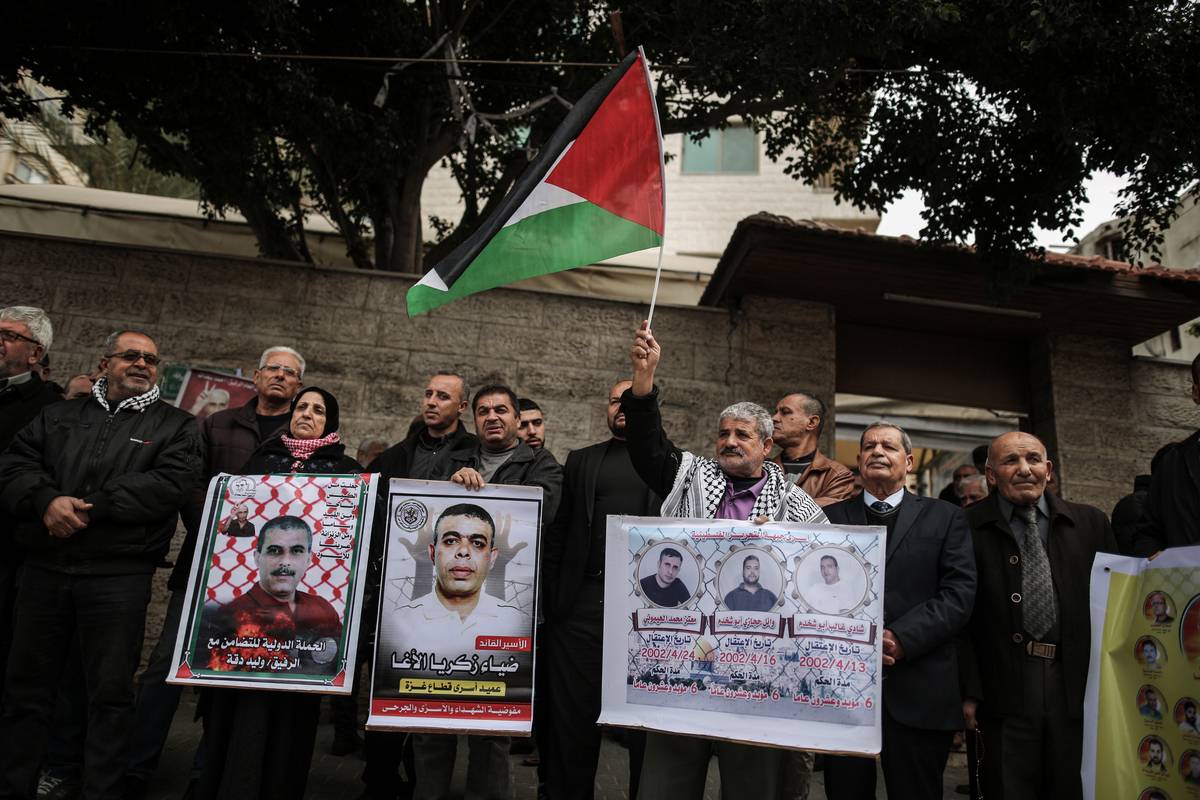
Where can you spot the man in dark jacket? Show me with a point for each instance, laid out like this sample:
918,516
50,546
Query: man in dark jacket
927,600
1171,514
498,456
228,438
94,485
598,480
1025,665
25,335
421,456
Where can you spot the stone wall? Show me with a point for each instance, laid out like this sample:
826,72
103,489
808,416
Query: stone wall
351,326
1105,413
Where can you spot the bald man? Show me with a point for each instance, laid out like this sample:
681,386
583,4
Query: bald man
1025,662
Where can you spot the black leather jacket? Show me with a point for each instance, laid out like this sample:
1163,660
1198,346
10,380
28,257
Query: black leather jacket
135,468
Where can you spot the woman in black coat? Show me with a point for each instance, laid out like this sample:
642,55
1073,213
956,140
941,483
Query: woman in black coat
259,744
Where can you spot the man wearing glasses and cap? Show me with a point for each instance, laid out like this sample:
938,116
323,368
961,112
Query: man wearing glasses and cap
93,486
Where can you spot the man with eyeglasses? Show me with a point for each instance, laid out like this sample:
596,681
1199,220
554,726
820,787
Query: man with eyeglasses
25,336
94,486
227,438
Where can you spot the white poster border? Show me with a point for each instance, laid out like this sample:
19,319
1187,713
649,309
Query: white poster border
616,711
198,579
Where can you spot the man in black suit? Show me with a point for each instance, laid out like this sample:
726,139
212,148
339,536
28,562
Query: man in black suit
1171,514
928,592
1026,660
598,480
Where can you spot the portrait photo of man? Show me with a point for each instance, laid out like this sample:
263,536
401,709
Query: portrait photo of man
1189,767
239,524
1148,654
276,608
1156,756
831,594
1151,705
1188,722
1160,609
750,594
664,587
447,620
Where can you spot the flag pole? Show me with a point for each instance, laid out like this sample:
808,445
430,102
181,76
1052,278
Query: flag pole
662,180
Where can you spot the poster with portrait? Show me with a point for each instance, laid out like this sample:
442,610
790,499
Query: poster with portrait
454,641
275,594
768,634
1142,704
205,392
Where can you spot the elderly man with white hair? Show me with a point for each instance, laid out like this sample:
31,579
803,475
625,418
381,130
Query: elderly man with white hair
740,483
25,337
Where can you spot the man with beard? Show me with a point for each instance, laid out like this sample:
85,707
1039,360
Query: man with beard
1155,761
750,595
532,428
1187,725
274,608
597,481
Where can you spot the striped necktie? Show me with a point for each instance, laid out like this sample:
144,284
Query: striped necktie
1039,608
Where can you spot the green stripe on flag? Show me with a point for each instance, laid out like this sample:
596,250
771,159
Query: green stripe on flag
555,240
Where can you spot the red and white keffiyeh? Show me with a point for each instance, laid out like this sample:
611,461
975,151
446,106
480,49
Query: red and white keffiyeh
302,449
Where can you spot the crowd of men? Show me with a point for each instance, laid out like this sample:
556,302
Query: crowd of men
985,610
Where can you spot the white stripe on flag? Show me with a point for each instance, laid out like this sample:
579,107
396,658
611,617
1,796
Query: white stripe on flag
433,281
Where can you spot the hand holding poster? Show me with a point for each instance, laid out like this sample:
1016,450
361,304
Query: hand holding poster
454,643
710,626
1141,730
273,599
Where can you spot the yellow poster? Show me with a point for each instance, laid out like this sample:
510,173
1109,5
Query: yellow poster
1142,708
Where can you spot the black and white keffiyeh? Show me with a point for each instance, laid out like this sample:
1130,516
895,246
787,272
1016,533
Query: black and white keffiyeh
700,485
138,403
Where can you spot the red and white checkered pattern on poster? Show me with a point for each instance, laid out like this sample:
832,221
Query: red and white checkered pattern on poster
331,511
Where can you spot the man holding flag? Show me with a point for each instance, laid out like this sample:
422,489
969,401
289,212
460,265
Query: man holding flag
740,483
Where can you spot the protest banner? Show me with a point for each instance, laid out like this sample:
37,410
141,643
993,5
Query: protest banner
1141,730
768,634
455,639
275,593
205,392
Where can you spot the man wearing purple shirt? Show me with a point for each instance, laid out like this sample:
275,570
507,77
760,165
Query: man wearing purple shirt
740,483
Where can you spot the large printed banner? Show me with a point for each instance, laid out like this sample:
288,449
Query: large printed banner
274,597
1141,729
767,634
454,642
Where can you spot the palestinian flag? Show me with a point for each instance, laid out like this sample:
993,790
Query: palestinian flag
594,191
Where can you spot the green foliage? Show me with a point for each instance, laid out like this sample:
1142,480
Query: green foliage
113,160
995,110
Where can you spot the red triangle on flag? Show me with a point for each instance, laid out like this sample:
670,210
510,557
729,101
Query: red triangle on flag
185,671
615,161
339,679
